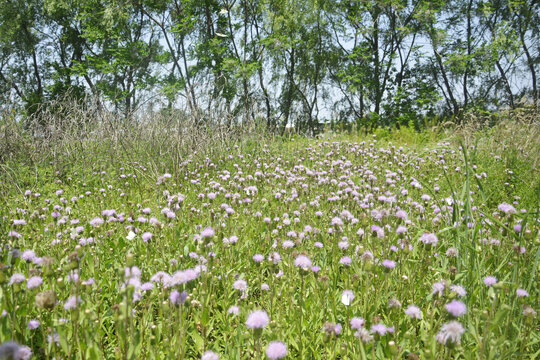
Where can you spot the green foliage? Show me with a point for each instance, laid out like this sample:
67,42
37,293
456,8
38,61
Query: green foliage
475,239
285,63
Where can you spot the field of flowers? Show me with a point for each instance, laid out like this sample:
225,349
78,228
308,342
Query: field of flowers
300,249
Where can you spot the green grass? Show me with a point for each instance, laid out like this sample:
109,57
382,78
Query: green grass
301,303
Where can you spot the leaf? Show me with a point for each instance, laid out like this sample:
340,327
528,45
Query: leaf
198,340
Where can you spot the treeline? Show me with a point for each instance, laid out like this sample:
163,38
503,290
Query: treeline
280,62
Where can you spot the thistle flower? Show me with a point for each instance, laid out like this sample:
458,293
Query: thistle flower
302,262
451,252
490,281
507,209
364,335
178,298
413,312
207,233
389,264
450,333
438,288
34,282
209,355
12,350
146,236
28,255
394,303
459,290
16,278
276,350
233,310
456,308
522,293
258,319
33,324
357,323
240,285
331,329
379,329
96,221
428,239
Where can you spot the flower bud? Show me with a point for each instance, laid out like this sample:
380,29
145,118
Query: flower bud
46,299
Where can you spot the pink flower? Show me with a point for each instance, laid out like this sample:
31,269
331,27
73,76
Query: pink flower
276,350
258,319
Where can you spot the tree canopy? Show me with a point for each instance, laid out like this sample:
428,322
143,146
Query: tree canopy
279,62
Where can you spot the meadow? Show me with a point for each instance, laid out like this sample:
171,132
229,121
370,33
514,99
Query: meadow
401,245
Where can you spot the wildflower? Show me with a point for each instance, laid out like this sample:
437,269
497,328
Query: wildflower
14,234
529,312
413,312
379,329
401,230
490,280
71,303
394,303
209,355
240,285
287,244
450,333
451,252
522,293
364,335
357,323
175,297
54,337
258,258
12,350
302,262
207,233
233,310
16,278
33,324
459,290
147,286
507,209
400,214
346,260
146,236
438,288
429,239
258,319
23,353
389,264
276,350
274,257
456,308
34,282
96,221
28,255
